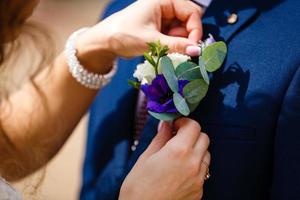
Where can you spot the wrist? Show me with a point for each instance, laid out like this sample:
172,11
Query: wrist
96,56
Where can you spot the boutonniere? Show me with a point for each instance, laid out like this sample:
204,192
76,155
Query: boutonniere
173,84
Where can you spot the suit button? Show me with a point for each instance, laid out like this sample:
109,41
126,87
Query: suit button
232,19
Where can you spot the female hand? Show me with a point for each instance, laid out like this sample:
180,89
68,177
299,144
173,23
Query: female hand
172,167
175,23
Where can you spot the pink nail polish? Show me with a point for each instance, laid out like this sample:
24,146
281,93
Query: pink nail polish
193,50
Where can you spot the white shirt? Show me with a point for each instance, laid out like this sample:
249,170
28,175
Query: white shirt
204,3
7,192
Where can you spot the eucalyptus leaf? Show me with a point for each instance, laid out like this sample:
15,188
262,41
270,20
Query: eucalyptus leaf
214,55
181,104
193,107
188,71
195,91
203,70
164,116
169,73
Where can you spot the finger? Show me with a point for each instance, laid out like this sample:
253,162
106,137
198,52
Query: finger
178,31
204,168
193,51
194,27
187,12
162,137
201,145
160,125
196,6
188,132
176,44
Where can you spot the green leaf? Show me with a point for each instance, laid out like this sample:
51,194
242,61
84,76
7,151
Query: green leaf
181,104
203,70
164,116
188,71
152,47
193,107
169,73
149,59
195,91
214,55
163,51
157,49
134,84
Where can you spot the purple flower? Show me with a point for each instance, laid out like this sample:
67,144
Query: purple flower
210,40
160,96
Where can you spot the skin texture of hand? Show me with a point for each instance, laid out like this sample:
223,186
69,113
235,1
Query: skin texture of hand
172,167
176,23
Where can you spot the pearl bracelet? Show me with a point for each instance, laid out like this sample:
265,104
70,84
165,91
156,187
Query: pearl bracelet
83,76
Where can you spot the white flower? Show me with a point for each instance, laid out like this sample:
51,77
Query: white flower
176,59
144,72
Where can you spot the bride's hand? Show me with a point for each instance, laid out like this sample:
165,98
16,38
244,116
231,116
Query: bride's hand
175,23
172,167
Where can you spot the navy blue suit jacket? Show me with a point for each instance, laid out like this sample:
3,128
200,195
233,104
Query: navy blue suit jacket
251,112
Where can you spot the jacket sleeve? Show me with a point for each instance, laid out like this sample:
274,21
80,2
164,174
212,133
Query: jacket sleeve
286,172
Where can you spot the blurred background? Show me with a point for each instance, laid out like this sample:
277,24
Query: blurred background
62,176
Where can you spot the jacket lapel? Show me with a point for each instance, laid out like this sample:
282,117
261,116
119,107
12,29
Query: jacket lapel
110,129
147,135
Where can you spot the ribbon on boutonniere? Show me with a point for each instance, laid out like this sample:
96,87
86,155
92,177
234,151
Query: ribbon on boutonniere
174,85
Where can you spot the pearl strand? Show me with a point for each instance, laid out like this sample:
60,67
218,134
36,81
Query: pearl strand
83,76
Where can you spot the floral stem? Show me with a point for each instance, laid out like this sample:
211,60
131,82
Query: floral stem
156,66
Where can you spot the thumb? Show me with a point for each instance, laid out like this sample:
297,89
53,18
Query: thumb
176,44
159,141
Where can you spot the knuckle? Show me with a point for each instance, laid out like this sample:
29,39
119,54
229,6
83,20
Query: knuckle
205,137
194,134
178,149
195,125
189,122
173,46
182,150
178,47
196,9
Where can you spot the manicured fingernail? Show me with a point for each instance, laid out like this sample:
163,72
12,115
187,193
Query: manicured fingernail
193,50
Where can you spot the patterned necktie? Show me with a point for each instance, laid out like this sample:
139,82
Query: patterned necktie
140,119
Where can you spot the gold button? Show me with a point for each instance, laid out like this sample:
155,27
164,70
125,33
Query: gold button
232,19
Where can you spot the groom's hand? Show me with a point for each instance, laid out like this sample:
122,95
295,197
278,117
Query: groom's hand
172,167
176,23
